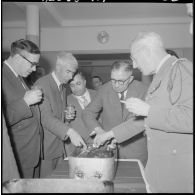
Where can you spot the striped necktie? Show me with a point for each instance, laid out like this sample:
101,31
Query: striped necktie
85,101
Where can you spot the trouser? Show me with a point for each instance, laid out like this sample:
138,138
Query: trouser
47,166
32,172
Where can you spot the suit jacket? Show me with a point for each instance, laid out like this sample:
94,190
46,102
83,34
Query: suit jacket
170,138
10,169
52,117
23,121
112,116
77,124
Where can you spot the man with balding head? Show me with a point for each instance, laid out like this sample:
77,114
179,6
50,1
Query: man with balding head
121,86
52,112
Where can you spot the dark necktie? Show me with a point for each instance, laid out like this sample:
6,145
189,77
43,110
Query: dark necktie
122,98
61,91
23,83
63,98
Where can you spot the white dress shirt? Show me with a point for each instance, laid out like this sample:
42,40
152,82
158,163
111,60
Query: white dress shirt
81,100
125,93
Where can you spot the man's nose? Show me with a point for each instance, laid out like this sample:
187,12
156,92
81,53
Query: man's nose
71,75
134,65
116,84
34,68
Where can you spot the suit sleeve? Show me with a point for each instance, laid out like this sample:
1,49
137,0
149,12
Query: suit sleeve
178,116
91,112
49,121
128,129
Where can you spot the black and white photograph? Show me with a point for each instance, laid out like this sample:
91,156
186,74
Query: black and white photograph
97,96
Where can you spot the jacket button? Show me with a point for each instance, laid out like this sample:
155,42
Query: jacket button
174,151
148,138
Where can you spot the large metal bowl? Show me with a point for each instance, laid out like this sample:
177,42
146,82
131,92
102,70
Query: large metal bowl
92,167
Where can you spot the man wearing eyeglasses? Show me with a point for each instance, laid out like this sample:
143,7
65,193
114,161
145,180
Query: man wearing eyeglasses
20,106
56,129
121,86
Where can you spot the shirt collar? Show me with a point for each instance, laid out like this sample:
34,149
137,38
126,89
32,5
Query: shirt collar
11,68
56,79
125,93
86,94
162,62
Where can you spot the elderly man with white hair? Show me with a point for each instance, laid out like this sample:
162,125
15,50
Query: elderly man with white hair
52,112
168,112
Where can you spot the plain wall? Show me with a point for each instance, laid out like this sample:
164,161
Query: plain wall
83,40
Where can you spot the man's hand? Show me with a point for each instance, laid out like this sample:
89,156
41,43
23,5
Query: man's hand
76,139
33,96
97,131
102,138
112,145
137,106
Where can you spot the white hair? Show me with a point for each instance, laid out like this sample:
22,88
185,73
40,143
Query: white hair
67,57
147,40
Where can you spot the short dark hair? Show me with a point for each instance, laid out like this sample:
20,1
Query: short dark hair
97,77
78,72
24,44
171,52
122,63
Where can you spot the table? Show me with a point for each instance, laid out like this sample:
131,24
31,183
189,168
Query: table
129,177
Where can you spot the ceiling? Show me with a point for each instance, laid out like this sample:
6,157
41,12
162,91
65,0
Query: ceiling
62,14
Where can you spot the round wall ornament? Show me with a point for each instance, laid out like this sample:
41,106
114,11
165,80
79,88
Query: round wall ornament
103,37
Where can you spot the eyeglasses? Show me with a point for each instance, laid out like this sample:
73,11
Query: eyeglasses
32,63
120,82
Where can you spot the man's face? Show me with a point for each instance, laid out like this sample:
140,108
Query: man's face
142,62
27,63
78,85
65,71
120,79
96,83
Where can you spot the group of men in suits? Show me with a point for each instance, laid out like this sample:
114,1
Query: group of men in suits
37,129
36,118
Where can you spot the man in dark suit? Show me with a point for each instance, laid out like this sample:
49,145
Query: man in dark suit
20,103
52,110
80,98
122,85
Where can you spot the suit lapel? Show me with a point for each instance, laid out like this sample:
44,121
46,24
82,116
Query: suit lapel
131,92
76,103
114,102
156,82
56,94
